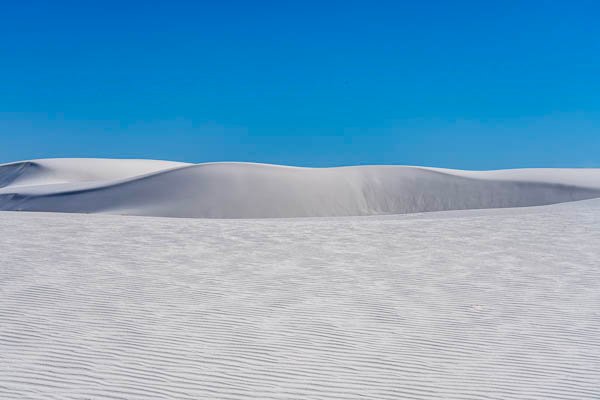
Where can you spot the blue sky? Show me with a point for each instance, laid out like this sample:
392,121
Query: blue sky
461,84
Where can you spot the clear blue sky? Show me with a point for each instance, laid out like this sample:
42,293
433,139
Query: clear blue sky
463,84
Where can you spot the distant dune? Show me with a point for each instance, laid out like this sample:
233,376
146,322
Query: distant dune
246,190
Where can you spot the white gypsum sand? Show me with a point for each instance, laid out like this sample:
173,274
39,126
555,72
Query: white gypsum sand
479,304
245,190
471,304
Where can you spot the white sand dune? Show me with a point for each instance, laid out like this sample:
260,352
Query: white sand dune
77,170
245,190
478,304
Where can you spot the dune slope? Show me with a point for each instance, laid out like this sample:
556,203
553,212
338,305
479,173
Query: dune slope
244,190
77,170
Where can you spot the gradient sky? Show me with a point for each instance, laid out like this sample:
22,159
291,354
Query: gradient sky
459,84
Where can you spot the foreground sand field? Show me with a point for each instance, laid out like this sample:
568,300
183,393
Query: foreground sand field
479,304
